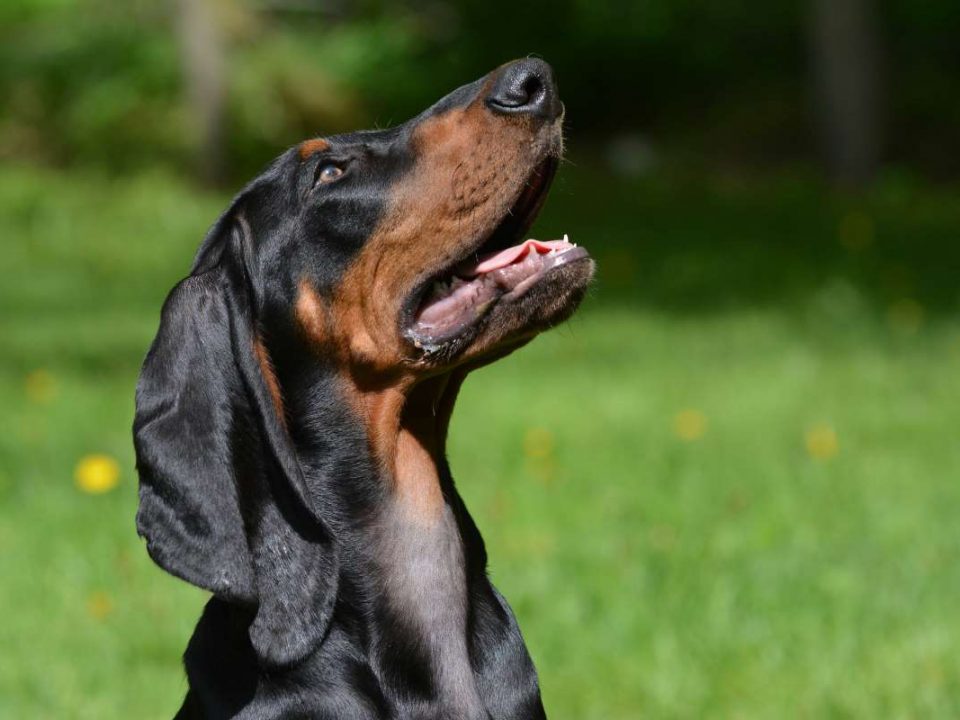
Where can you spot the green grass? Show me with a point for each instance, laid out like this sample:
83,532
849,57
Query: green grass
730,575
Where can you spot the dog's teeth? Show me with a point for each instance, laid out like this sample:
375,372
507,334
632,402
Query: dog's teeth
566,238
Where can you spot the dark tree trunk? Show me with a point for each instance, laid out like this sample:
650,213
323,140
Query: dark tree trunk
202,53
845,49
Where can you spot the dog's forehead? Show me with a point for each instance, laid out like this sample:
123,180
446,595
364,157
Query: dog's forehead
336,148
369,137
387,137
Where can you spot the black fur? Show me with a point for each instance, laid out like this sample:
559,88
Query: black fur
275,514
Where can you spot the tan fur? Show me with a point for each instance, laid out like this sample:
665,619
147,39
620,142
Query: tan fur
309,147
270,377
470,169
471,166
311,316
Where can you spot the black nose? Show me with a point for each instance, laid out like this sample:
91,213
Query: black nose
526,87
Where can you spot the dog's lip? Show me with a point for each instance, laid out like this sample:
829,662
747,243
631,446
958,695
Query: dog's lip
460,303
512,227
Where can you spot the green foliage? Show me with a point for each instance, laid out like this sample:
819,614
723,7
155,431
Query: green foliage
99,82
90,84
742,571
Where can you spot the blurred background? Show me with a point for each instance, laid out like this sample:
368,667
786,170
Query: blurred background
727,488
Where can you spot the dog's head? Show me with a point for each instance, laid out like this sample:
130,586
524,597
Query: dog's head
403,248
392,255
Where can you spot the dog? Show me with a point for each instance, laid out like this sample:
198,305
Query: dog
292,413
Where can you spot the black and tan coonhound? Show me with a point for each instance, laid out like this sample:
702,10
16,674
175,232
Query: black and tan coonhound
292,414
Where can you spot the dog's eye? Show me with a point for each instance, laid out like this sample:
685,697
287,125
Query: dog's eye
329,173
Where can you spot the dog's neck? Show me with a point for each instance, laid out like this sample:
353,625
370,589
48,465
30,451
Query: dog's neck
392,434
406,426
423,567
422,548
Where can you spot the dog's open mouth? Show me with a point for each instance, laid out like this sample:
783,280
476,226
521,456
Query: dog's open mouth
458,301
500,270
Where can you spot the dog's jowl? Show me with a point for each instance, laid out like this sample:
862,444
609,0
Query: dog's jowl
292,413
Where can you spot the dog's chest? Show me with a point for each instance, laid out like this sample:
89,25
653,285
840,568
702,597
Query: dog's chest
425,585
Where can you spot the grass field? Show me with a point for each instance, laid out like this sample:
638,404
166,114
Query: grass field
728,488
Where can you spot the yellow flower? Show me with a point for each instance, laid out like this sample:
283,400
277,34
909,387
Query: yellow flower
96,474
821,441
40,386
689,425
99,605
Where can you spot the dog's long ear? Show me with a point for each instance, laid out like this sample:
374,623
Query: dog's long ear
223,501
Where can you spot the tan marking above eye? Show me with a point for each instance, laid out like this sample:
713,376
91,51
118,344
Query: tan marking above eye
309,147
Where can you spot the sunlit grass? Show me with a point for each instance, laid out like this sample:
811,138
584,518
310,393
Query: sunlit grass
744,508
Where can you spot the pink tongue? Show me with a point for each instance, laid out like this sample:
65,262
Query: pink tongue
511,255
